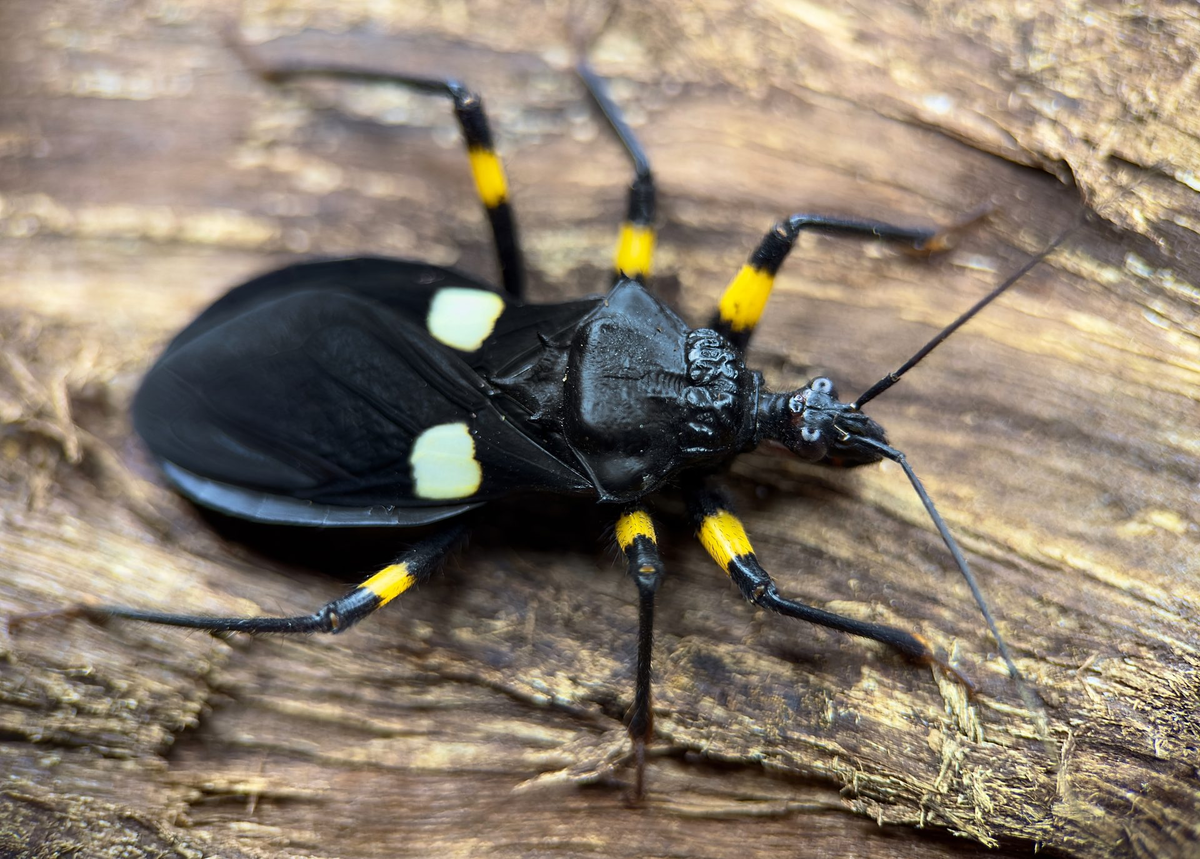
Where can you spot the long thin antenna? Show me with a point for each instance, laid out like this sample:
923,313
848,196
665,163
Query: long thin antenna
893,377
1031,701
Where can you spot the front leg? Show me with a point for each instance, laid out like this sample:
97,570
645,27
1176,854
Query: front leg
742,304
635,536
721,533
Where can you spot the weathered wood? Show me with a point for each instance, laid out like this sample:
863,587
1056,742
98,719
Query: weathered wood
142,172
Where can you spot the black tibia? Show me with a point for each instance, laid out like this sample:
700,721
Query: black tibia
413,567
468,108
777,243
723,537
635,245
742,303
635,535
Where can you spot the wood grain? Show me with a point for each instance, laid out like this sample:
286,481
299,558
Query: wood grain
143,171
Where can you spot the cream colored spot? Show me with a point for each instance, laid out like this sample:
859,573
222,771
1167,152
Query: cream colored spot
443,462
463,318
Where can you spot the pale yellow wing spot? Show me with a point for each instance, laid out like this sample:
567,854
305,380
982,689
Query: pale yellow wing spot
463,318
443,463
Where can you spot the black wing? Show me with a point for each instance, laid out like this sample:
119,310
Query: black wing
318,395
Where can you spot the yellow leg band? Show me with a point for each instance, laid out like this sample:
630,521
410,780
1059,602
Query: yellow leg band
745,298
632,525
724,538
489,177
635,250
389,582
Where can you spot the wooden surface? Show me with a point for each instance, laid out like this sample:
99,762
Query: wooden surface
142,172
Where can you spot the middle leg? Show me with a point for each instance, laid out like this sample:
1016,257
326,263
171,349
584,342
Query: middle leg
635,536
635,242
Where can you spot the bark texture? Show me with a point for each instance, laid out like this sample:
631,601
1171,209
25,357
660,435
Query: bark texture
143,171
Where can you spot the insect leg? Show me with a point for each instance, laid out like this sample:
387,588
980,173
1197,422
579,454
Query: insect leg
635,536
742,303
635,242
486,168
413,567
721,533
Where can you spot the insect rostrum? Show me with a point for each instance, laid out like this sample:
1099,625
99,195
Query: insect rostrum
395,393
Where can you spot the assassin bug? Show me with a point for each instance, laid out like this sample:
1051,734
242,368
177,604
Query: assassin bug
395,393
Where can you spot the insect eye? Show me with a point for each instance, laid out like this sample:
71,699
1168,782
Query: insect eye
823,385
809,444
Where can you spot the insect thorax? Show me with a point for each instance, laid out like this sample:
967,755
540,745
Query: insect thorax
636,395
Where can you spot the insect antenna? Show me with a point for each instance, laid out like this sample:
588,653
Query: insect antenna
1032,703
1035,260
889,452
894,376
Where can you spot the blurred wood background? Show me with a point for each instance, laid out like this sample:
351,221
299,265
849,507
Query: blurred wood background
143,172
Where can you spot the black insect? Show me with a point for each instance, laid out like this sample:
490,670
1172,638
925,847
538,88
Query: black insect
394,393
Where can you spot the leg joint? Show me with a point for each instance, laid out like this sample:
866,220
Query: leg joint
648,576
327,619
761,594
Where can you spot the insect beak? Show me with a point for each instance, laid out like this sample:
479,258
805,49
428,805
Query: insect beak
849,431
